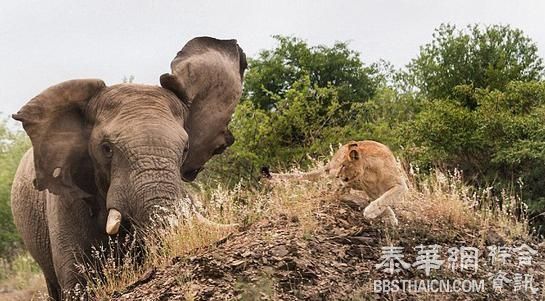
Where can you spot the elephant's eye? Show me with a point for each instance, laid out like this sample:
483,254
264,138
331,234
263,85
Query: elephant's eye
220,149
107,149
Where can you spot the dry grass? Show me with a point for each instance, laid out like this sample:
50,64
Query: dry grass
446,209
20,279
438,206
185,237
174,234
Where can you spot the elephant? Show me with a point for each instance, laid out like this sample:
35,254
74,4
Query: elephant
104,158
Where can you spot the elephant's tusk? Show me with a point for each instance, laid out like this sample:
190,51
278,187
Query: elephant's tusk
56,172
114,221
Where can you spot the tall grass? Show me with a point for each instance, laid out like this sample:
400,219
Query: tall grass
439,205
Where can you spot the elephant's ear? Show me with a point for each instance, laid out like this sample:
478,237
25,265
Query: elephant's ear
206,67
54,121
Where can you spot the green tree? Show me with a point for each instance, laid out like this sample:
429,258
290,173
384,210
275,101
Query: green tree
275,71
13,145
479,57
499,143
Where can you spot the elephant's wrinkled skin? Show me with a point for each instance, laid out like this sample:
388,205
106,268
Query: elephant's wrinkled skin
123,149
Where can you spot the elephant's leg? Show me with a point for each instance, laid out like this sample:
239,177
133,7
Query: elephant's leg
29,214
73,231
54,290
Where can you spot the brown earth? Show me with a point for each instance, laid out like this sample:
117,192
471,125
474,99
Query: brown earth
279,259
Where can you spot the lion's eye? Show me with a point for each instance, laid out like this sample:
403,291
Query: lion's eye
107,149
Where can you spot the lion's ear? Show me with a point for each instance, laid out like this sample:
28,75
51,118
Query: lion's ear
354,155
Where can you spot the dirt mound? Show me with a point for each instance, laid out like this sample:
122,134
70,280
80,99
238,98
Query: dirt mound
278,259
274,259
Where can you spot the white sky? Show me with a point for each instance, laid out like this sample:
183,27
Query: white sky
46,42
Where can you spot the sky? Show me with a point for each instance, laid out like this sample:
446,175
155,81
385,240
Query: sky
43,43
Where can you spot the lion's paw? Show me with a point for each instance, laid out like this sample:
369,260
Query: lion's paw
372,211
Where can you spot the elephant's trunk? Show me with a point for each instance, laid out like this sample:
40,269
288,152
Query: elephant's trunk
149,183
158,196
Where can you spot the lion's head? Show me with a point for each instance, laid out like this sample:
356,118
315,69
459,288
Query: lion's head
351,166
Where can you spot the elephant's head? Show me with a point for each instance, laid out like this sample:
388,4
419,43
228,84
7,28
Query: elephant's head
207,73
124,147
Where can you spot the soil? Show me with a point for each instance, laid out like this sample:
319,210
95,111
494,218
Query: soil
278,259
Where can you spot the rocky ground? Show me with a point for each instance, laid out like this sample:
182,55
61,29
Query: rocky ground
279,259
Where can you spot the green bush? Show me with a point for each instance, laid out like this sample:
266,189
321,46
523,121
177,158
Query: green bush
305,116
13,145
298,99
499,143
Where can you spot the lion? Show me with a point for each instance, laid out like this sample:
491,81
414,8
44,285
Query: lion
367,167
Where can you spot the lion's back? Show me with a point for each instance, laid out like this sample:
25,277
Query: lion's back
371,149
